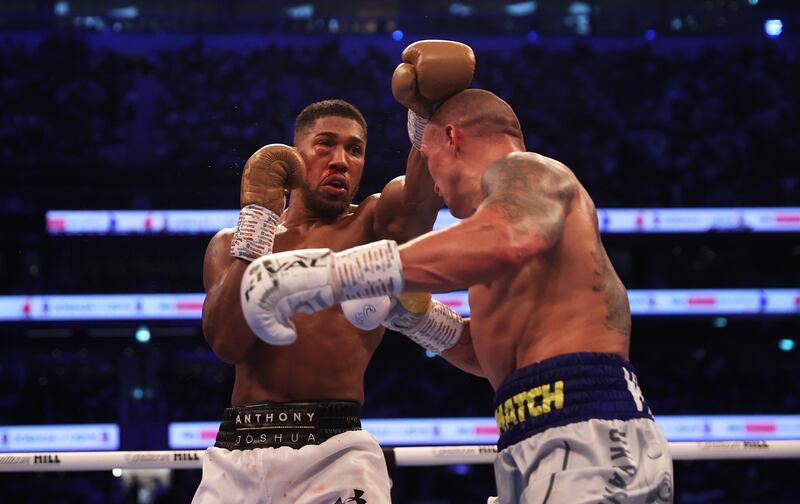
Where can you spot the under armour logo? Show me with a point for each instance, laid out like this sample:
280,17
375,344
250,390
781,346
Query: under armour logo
356,498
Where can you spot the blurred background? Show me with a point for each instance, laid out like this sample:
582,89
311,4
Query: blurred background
146,106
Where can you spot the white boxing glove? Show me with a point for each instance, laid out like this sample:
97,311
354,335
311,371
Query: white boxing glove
428,323
367,314
276,286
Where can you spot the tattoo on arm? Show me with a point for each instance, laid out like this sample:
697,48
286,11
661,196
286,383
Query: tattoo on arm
465,340
606,281
531,194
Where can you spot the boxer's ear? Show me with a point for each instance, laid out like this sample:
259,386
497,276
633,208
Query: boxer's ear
454,138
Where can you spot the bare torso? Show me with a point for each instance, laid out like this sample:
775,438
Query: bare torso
330,356
568,299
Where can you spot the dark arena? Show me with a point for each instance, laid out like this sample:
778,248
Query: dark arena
439,252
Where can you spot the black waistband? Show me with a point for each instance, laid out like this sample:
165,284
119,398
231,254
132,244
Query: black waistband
293,424
566,389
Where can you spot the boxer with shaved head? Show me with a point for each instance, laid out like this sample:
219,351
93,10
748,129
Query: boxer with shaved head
550,320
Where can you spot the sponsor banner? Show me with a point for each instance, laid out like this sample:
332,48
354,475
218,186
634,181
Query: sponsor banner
102,307
458,301
689,302
22,438
187,435
698,220
121,222
730,427
190,306
432,431
611,220
456,431
773,219
782,301
99,460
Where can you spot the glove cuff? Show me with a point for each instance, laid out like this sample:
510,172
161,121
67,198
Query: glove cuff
439,330
254,233
416,128
369,270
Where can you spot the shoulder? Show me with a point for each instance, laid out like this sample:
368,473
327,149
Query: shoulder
528,171
219,247
531,162
217,257
222,238
366,207
357,216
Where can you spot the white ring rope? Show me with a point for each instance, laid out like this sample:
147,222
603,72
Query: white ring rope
404,456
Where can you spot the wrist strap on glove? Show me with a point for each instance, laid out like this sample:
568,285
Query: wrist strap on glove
416,128
437,330
369,270
255,233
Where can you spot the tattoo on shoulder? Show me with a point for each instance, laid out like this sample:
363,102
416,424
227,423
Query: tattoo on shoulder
529,193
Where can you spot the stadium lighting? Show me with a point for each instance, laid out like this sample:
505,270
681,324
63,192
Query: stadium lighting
143,334
521,8
333,25
304,11
61,9
459,9
773,28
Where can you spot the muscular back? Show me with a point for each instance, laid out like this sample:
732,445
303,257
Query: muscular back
566,298
330,356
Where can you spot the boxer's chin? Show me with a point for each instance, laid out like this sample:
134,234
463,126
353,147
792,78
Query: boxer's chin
326,207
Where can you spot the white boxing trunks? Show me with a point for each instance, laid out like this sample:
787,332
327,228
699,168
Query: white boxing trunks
576,429
294,453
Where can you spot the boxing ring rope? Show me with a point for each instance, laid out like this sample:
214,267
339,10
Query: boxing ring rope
404,456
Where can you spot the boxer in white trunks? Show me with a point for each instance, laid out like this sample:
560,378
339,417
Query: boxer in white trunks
293,432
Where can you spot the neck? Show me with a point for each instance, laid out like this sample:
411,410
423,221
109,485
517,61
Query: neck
490,151
496,148
297,214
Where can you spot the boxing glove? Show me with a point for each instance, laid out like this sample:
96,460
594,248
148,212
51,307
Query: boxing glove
269,173
431,72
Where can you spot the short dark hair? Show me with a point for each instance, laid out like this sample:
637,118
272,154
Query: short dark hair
325,108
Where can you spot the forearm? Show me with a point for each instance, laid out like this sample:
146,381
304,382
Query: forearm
419,189
224,326
462,355
473,251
